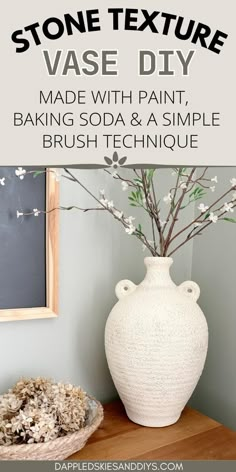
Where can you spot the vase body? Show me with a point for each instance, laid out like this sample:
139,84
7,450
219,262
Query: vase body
156,341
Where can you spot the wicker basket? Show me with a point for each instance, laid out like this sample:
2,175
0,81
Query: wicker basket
59,449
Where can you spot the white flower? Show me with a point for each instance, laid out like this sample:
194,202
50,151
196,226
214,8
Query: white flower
130,230
215,179
234,197
102,193
168,198
213,188
19,214
118,214
20,172
228,207
203,207
183,185
2,181
124,186
163,223
233,182
104,202
129,220
36,212
115,174
110,204
197,224
213,218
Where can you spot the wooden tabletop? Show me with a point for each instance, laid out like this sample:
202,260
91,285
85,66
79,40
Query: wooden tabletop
194,437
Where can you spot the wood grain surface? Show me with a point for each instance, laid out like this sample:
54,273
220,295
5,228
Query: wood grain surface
194,437
52,243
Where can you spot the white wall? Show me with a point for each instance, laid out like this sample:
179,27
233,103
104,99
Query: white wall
214,257
95,253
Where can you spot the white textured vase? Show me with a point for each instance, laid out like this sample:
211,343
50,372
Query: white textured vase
156,343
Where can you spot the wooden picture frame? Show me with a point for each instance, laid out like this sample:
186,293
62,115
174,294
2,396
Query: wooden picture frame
52,254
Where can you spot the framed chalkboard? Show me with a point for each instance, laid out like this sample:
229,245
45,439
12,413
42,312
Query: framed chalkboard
28,245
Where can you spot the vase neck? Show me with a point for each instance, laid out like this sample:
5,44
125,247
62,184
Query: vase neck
158,272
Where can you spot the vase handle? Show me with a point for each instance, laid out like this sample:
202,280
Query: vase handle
191,289
124,288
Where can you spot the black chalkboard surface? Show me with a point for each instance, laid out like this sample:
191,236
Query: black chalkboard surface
22,241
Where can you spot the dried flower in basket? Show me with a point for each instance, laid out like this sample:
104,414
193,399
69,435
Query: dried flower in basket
38,410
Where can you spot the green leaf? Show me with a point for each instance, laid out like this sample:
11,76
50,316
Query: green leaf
138,181
197,192
206,216
37,173
138,196
230,220
150,174
140,228
192,193
199,197
181,171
